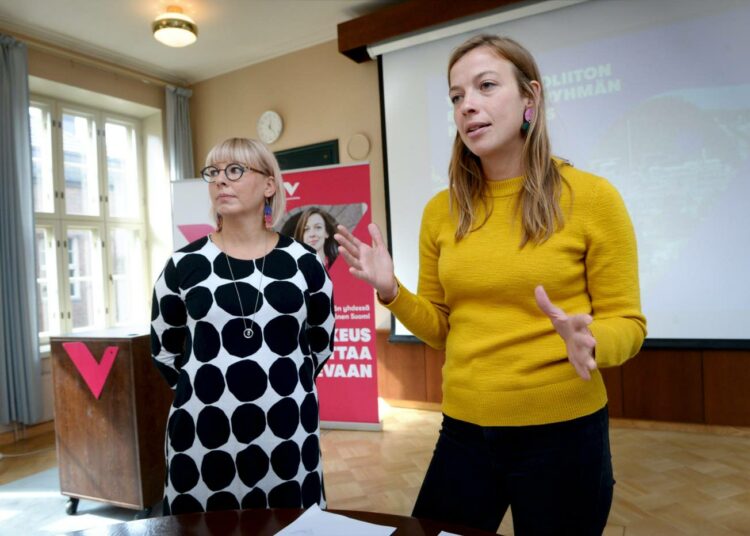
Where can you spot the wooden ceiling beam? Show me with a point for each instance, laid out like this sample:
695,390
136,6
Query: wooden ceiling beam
408,17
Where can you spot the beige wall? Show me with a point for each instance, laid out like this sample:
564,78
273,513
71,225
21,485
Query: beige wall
66,71
320,94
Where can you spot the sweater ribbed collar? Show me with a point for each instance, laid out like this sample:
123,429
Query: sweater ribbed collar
505,187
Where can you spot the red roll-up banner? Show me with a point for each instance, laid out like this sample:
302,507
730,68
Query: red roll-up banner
317,200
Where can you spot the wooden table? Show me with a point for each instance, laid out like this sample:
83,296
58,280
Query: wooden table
258,522
110,448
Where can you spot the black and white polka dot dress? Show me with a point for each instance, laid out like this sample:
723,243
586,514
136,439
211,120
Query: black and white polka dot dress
243,431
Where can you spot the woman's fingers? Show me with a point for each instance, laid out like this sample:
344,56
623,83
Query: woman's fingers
371,264
355,267
350,259
545,304
574,330
347,241
344,232
580,322
342,241
580,353
377,236
582,371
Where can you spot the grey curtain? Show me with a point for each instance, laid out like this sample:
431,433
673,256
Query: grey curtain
179,138
20,370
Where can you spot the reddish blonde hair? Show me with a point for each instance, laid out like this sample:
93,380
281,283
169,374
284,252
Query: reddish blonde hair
539,202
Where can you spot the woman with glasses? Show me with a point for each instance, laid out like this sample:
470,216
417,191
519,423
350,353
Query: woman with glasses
242,322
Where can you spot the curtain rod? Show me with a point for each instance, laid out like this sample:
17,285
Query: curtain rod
91,61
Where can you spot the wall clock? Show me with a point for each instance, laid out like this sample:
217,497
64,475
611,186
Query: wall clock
269,126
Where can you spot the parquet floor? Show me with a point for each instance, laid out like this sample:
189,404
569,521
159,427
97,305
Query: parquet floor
43,457
671,479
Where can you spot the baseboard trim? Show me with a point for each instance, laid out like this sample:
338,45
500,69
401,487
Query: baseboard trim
413,404
25,432
666,426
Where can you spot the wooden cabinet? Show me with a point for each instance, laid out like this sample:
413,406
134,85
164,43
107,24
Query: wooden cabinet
110,448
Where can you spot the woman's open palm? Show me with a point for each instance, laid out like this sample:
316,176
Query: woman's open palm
371,264
574,330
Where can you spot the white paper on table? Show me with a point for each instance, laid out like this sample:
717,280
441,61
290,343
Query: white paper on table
316,522
443,533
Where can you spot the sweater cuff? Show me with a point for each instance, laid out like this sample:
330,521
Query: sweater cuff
398,293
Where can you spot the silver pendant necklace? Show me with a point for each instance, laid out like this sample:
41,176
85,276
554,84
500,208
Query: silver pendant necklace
248,331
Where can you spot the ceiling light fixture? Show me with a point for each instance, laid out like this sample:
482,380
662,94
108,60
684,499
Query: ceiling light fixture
174,28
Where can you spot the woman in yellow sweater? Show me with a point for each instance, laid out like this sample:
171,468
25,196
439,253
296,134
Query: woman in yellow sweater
529,279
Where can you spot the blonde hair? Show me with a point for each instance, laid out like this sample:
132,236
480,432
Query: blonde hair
539,202
255,154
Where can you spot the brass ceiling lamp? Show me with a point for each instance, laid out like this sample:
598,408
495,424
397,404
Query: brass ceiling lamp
175,29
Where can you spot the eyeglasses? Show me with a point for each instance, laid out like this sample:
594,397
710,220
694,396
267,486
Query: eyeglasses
233,172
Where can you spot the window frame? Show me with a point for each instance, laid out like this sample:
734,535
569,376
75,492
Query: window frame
60,222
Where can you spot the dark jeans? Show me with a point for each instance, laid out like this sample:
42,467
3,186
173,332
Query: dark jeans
557,478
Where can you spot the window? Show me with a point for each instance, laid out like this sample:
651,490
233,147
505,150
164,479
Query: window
41,158
46,281
89,213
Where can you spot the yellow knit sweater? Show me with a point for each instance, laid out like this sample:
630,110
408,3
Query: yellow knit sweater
505,364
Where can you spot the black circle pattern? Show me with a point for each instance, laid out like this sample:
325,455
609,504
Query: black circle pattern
209,384
198,302
241,269
243,431
277,334
234,341
320,307
218,469
226,298
285,297
172,312
192,269
183,390
222,501
283,376
283,418
248,422
255,499
181,430
206,342
212,427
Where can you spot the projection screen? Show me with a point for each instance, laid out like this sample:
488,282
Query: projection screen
654,96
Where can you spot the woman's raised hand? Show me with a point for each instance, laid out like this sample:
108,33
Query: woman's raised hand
574,330
371,264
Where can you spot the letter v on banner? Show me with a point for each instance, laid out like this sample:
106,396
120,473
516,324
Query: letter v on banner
290,187
347,383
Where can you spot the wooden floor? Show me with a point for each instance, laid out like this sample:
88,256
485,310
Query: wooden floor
42,457
671,479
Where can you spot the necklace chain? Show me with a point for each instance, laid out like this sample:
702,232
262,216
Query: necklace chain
248,331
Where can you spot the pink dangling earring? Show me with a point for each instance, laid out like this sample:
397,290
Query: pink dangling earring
268,214
528,115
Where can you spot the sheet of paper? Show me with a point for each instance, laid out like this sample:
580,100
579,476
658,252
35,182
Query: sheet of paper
316,522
